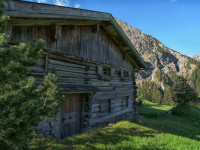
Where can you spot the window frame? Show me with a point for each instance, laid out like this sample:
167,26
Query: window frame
125,104
107,111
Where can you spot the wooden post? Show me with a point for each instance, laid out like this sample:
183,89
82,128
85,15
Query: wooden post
46,64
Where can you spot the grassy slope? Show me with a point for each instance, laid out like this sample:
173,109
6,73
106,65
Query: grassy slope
158,131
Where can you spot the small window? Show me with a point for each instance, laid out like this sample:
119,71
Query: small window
126,74
125,102
105,107
117,72
107,71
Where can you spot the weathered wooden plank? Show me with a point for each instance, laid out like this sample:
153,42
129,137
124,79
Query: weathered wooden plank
99,83
50,21
116,100
61,63
114,105
95,115
50,11
70,69
120,83
106,89
89,77
112,95
38,69
122,89
116,109
70,74
71,81
109,116
70,60
95,109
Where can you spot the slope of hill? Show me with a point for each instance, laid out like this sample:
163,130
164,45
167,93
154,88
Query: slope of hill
197,57
167,64
158,131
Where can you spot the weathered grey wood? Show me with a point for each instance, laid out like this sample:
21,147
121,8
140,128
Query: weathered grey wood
80,50
99,83
71,114
70,42
70,74
73,88
71,80
116,109
116,100
106,89
32,9
51,21
99,70
115,105
38,73
40,61
38,69
106,118
95,115
71,60
70,69
14,8
61,63
96,109
58,31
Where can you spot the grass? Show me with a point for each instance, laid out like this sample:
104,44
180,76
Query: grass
158,131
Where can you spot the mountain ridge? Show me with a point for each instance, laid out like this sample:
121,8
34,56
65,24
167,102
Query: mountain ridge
167,64
155,53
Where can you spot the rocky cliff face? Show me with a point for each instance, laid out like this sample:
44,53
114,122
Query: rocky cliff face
156,55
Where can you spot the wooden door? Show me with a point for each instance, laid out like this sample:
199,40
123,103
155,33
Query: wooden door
71,109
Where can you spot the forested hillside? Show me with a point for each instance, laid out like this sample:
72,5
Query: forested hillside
156,84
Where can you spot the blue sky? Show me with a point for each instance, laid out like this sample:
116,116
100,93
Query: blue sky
176,23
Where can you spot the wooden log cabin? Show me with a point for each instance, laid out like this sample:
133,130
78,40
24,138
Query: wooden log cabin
92,56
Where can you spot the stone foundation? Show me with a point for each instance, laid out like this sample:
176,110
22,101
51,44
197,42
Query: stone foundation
52,128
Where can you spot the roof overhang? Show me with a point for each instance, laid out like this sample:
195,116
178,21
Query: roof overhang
50,14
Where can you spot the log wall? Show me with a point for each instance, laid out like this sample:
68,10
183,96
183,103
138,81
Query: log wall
114,89
84,56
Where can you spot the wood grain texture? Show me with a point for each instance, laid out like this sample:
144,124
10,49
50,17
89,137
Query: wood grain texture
79,41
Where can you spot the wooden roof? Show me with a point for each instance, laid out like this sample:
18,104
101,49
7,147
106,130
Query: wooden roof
29,13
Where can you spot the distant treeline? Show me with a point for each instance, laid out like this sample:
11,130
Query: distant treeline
161,91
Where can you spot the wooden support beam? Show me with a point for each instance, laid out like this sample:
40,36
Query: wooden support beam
46,63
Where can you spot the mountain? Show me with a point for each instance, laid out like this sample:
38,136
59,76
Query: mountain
164,64
197,57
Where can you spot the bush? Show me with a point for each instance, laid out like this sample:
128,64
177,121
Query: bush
186,110
22,103
183,92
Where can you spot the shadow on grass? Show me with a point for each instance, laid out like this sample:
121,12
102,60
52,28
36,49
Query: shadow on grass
108,137
126,135
187,126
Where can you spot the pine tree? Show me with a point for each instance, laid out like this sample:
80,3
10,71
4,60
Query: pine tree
168,97
183,92
22,103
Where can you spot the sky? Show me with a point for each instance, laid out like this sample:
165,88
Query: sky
175,23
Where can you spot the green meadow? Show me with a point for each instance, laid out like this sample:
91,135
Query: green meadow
157,130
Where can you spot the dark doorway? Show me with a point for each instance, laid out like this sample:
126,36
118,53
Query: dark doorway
71,115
